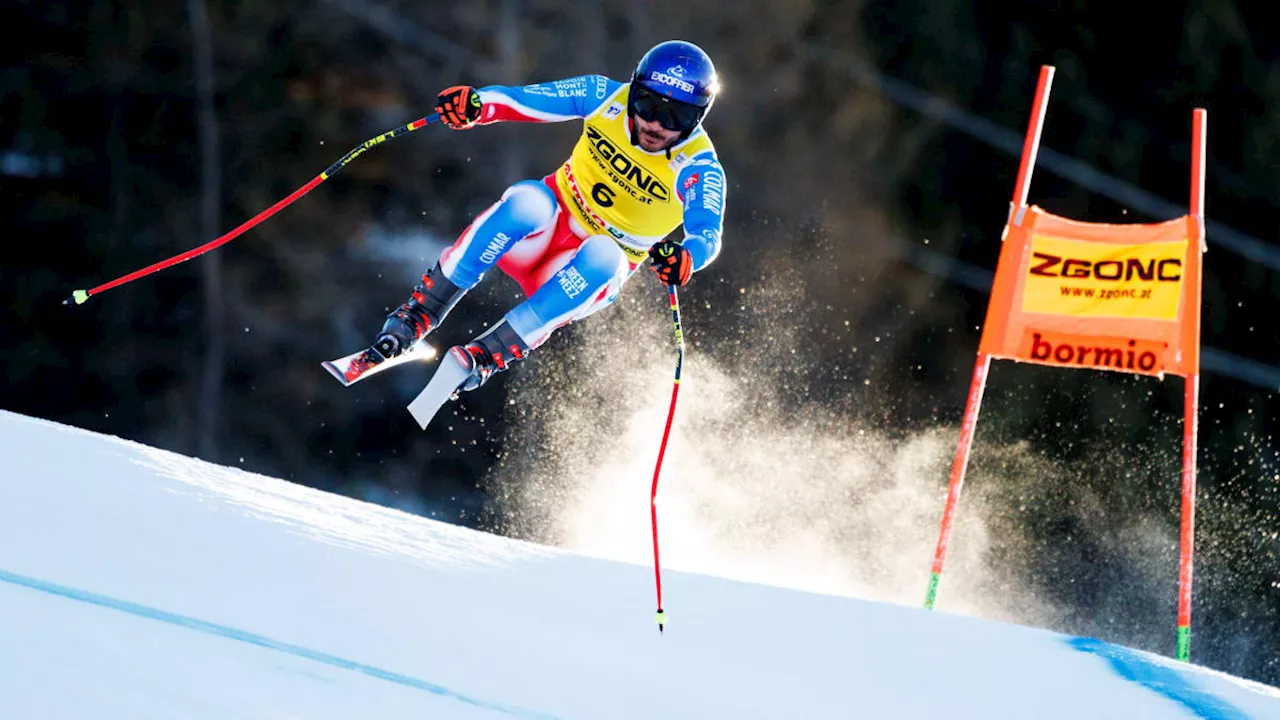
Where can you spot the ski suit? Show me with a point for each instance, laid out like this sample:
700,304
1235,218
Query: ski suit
589,225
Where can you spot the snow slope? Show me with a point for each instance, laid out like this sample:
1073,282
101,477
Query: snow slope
135,583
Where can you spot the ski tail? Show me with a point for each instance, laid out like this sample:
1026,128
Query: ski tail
350,369
357,366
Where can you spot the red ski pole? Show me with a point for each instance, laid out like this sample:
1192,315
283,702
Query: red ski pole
80,296
662,449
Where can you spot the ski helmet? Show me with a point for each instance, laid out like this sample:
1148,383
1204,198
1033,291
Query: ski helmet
674,84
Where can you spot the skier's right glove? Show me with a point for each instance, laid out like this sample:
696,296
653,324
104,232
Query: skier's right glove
459,106
671,262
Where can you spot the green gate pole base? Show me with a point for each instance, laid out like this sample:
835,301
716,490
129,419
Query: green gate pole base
932,593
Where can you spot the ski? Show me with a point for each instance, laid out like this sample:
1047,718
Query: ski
359,365
453,369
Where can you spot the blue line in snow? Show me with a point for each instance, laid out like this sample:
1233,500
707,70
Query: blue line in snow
261,641
1160,678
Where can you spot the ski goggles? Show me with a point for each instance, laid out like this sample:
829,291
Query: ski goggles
671,114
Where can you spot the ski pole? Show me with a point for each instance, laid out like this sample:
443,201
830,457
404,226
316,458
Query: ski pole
80,296
662,449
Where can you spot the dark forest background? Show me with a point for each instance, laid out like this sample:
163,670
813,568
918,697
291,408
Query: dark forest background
130,132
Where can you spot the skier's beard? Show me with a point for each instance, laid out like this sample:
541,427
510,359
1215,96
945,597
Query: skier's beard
655,141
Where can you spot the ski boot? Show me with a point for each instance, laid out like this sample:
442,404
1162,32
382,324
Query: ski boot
490,353
422,313
467,367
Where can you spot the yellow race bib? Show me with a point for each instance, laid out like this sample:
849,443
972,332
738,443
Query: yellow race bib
613,187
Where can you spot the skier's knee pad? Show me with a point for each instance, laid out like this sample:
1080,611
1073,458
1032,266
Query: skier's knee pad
573,292
527,207
599,259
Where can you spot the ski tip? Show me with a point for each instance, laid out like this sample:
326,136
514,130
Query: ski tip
443,387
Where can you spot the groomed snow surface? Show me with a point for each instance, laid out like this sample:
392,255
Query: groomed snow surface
136,583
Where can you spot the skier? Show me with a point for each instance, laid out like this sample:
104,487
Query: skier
642,167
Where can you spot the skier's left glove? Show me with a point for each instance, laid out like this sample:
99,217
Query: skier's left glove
671,262
459,106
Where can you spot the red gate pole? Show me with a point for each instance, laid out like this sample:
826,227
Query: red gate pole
958,466
1186,543
1022,187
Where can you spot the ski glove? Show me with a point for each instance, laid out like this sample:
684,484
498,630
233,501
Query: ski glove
671,262
459,106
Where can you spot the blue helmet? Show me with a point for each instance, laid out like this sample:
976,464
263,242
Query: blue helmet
675,84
